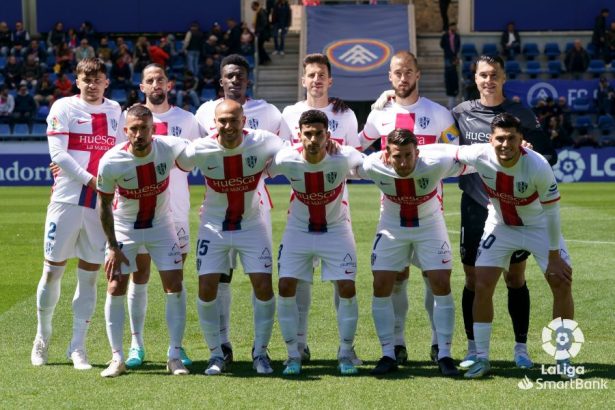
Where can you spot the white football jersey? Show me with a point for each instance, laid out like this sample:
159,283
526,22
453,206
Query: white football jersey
316,203
516,194
142,195
178,123
429,121
413,200
232,176
78,135
259,115
342,125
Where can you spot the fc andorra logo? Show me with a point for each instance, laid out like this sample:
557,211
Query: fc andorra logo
562,338
358,54
161,168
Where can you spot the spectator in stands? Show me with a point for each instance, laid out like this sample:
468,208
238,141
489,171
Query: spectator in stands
167,44
565,114
12,71
64,59
605,96
158,54
40,55
470,90
559,136
216,30
85,50
210,74
444,13
86,30
45,91
576,60
599,34
281,19
132,98
25,107
233,35
123,53
610,43
141,56
510,41
193,45
211,46
72,41
56,36
121,74
31,71
585,139
189,89
262,30
5,39
104,52
63,86
247,42
7,105
450,42
20,39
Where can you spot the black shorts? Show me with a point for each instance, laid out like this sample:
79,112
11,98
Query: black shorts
473,217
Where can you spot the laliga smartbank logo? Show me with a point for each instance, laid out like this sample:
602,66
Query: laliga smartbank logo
562,338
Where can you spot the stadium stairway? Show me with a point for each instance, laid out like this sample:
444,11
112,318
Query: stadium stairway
431,61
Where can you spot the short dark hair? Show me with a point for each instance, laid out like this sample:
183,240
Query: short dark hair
235,59
91,66
154,65
313,117
407,55
140,111
317,58
507,121
491,60
401,136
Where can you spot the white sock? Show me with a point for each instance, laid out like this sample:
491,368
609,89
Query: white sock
224,304
84,303
47,296
482,336
384,320
336,296
400,307
209,319
471,347
288,315
347,318
114,318
137,308
176,321
444,321
304,301
264,313
429,308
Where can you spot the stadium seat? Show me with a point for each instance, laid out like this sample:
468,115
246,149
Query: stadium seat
119,95
136,79
580,105
42,112
112,45
606,124
513,69
533,68
466,70
596,67
5,130
490,49
208,94
555,68
2,62
39,130
21,130
530,51
568,47
591,50
250,60
1,80
583,124
552,51
468,51
51,61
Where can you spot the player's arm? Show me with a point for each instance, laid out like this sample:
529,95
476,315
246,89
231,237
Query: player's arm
383,99
370,133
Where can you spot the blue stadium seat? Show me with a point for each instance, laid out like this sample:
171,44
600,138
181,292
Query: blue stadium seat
39,130
136,79
513,69
596,67
51,61
606,124
21,130
1,80
2,62
466,70
591,50
584,123
555,68
112,45
119,95
5,130
552,51
530,51
533,68
42,112
468,51
580,105
490,49
208,94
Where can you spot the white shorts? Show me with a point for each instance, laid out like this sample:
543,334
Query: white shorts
267,217
336,250
160,242
499,242
214,249
426,247
183,238
73,231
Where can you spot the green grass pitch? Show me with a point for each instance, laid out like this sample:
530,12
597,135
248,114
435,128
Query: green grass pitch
588,223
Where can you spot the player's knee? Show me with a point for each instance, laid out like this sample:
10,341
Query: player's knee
470,272
208,287
559,286
514,281
440,283
117,287
346,289
263,290
403,275
287,287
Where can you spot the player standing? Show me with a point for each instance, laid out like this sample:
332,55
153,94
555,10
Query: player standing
139,171
318,226
474,121
523,212
80,130
430,123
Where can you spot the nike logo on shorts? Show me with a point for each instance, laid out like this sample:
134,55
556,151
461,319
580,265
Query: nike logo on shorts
129,179
348,272
82,121
519,254
446,260
268,265
210,168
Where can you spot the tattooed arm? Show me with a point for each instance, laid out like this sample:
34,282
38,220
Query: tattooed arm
115,256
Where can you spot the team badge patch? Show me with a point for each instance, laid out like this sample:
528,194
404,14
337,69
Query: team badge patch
54,123
114,124
333,124
423,122
253,123
176,130
251,161
423,182
161,168
331,177
521,186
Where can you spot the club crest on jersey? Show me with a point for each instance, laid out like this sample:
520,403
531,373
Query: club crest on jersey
423,182
253,123
423,122
114,124
521,186
161,168
176,130
333,124
251,161
331,177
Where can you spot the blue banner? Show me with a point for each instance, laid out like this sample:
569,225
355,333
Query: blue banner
359,41
530,90
585,165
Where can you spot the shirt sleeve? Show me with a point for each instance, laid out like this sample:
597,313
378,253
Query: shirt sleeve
370,133
352,137
105,182
469,154
285,130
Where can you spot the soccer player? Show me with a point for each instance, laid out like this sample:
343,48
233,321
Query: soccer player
259,114
317,81
169,122
318,226
522,213
80,130
473,119
232,217
411,226
430,123
139,171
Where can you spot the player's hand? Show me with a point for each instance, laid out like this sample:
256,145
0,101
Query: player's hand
333,147
55,169
526,144
558,269
92,183
113,263
383,100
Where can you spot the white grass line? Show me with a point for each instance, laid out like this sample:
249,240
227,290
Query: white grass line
570,240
